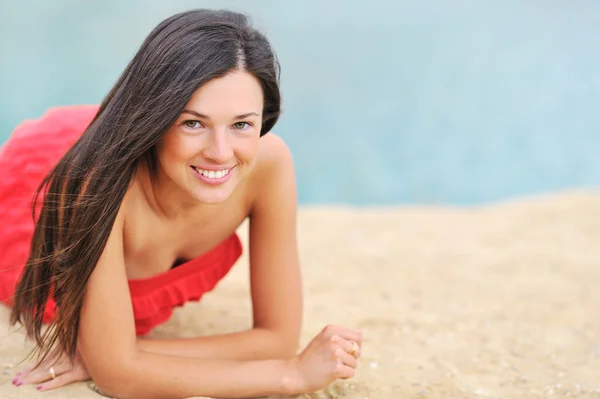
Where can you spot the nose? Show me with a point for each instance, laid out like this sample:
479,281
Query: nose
218,147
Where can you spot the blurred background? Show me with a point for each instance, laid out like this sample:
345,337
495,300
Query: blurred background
385,102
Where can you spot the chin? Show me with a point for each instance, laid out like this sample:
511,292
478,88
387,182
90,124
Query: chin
211,198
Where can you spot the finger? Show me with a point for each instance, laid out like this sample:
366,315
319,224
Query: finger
36,376
25,371
348,346
346,358
354,335
352,348
21,374
39,372
24,376
343,372
42,374
61,380
344,332
348,333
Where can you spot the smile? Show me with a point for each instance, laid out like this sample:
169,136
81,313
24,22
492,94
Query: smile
212,174
213,177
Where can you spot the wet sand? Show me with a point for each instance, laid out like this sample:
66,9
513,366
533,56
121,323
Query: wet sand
496,301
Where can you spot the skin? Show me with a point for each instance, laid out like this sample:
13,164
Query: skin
176,215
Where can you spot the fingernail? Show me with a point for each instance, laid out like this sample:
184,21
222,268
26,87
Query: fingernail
19,383
39,387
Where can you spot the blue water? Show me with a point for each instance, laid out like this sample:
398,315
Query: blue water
455,102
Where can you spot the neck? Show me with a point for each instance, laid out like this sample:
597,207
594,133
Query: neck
167,200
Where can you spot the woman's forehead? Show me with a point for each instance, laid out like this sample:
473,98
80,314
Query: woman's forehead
236,93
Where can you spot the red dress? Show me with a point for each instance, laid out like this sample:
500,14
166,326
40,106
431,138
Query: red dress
25,159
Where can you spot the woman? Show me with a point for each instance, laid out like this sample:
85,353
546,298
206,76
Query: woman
141,201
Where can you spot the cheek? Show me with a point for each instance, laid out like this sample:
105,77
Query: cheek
249,150
176,150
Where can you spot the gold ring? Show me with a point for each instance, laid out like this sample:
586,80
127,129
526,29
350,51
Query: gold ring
354,348
52,373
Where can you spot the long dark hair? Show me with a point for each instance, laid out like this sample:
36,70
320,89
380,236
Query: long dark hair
83,193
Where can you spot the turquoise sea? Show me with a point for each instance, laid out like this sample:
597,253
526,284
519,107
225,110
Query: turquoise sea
385,102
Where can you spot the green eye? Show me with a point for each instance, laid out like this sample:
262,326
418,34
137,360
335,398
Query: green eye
240,125
192,124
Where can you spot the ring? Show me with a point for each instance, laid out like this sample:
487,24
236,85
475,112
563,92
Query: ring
52,373
354,348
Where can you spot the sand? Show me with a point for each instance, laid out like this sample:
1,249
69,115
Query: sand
497,301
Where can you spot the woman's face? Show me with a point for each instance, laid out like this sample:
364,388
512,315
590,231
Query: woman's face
212,146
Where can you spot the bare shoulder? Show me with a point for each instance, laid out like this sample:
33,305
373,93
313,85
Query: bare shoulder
274,158
274,167
273,152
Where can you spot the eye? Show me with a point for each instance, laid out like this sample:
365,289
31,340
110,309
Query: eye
192,124
241,125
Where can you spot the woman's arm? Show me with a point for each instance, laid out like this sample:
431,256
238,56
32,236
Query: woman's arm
108,347
274,267
253,344
123,368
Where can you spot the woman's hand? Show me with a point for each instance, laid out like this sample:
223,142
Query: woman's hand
64,371
333,354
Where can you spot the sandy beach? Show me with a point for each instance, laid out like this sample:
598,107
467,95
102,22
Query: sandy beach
495,301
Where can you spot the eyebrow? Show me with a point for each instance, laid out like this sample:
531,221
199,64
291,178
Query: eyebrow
202,116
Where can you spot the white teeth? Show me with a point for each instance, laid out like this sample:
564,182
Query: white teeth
211,174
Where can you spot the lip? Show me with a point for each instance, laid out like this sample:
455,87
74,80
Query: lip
215,168
212,182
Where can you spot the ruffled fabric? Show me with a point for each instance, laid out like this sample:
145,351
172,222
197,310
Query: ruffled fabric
154,298
31,151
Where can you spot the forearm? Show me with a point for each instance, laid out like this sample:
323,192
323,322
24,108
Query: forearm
255,344
160,376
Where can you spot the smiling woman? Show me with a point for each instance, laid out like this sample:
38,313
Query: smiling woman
215,140
138,202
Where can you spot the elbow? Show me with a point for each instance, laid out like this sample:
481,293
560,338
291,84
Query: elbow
116,381
112,390
117,388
